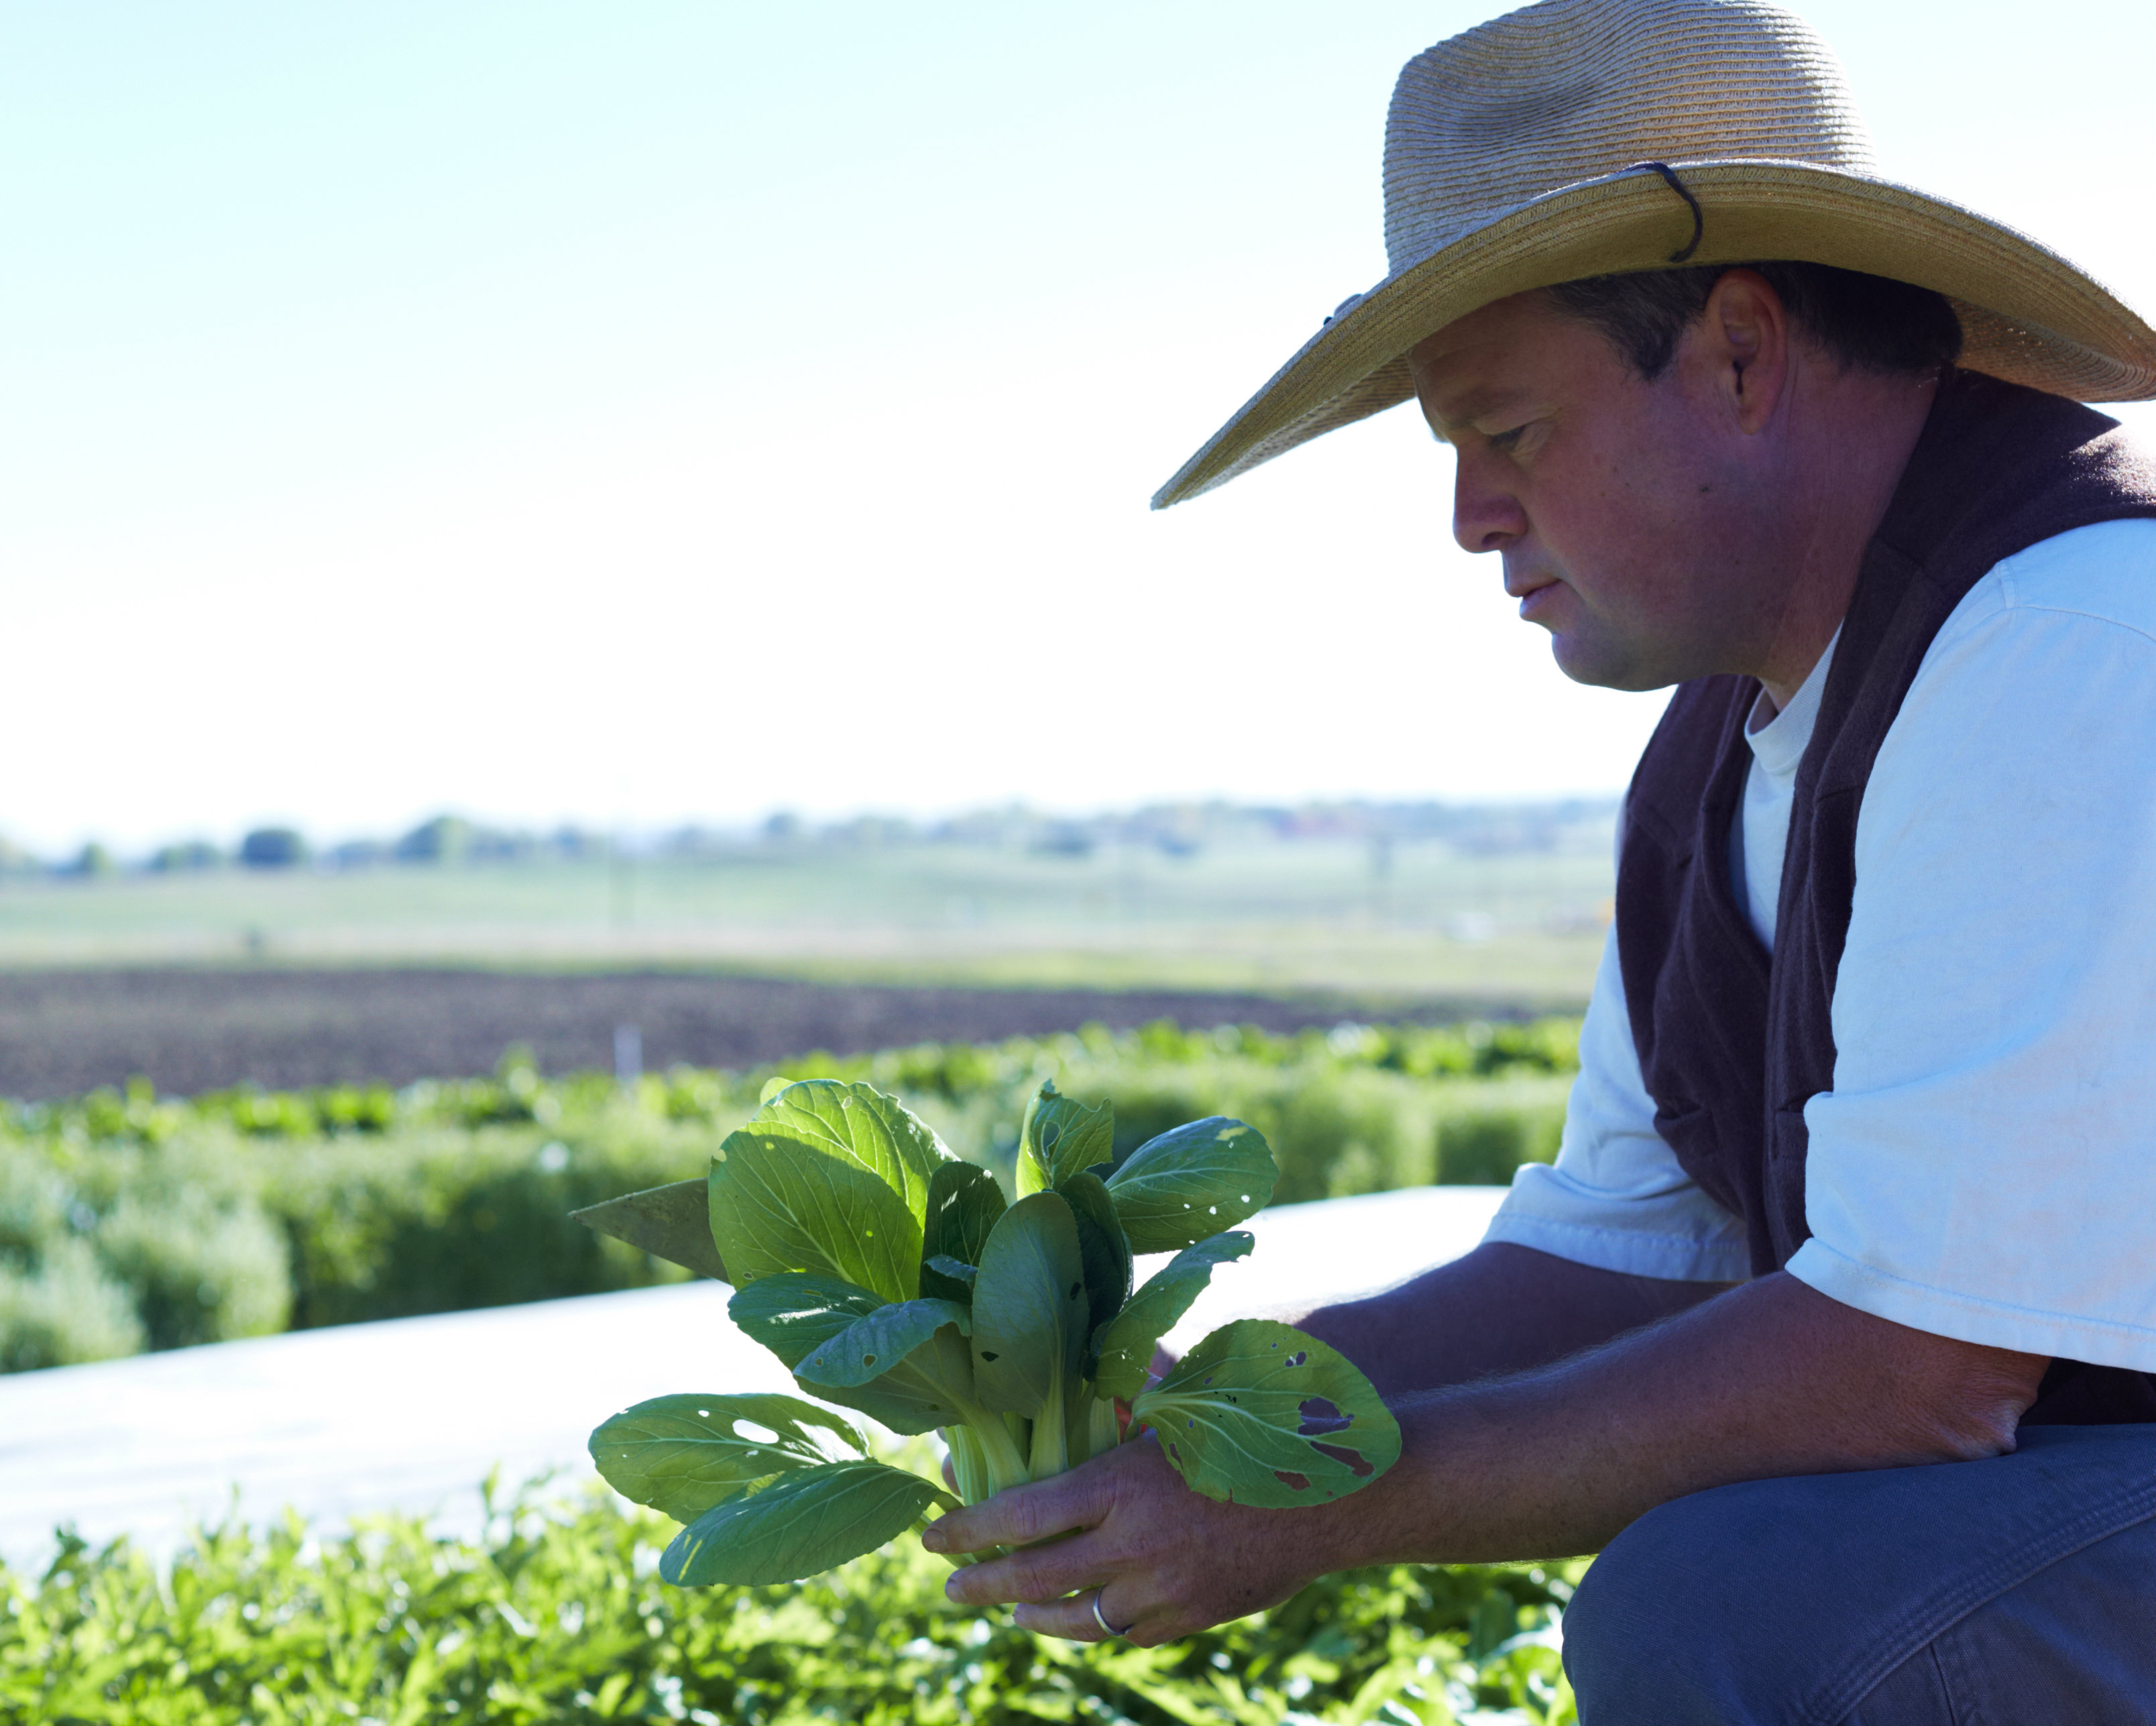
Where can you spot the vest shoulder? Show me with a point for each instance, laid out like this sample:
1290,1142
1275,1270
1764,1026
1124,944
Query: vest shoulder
1680,757
2000,467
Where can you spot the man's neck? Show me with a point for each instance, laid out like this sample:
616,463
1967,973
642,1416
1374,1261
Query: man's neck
1862,431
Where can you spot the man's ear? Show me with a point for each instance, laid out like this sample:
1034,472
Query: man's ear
1743,344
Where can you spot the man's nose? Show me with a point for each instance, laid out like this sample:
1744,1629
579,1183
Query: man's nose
1485,516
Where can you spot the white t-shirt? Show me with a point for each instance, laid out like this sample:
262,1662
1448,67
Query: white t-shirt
1984,1166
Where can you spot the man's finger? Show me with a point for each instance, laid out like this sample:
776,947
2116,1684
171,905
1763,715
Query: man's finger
1033,1574
1016,1517
1072,1618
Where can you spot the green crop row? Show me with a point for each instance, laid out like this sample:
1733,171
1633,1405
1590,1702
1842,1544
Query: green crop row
558,1616
128,1221
517,1092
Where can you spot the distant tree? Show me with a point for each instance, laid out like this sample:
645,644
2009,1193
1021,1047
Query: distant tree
443,839
359,854
92,859
870,832
576,843
189,854
1063,838
492,844
273,848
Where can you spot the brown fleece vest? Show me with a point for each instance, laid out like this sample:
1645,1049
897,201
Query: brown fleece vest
1733,1042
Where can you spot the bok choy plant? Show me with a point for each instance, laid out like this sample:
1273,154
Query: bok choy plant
895,1281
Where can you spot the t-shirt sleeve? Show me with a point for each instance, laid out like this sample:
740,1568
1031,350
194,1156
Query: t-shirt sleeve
1984,1166
1617,1197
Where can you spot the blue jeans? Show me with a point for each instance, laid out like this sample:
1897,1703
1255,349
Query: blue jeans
2016,1591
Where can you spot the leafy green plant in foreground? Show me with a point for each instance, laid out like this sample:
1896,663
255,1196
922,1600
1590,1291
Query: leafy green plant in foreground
558,1616
895,1280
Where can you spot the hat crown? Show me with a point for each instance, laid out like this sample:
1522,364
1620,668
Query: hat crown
1568,90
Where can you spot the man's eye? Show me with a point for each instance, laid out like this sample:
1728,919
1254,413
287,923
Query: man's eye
1505,442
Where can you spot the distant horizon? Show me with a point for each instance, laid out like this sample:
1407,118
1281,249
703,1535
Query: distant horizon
934,825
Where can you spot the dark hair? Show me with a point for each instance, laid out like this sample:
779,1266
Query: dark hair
1867,323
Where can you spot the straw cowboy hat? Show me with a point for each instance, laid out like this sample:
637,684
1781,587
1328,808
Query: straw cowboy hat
1585,137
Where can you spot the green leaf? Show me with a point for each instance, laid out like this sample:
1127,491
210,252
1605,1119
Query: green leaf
964,1203
872,1346
1102,1250
876,1131
1259,1413
951,1270
1191,1182
793,1315
1125,1343
672,1223
1060,1137
772,1086
1029,1305
783,1203
799,1525
682,1455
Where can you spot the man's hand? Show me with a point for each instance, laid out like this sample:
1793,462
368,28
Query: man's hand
1771,1379
1167,1561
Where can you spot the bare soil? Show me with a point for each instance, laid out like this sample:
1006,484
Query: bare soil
190,1030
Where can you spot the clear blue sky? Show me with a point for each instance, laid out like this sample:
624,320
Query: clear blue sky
670,412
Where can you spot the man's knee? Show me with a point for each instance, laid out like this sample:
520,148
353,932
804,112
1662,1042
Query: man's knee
1675,1624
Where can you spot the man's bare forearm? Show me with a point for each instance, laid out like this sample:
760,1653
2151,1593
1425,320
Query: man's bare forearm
1772,1378
1500,1309
1767,1379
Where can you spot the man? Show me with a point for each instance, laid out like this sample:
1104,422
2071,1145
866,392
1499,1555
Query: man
1831,1320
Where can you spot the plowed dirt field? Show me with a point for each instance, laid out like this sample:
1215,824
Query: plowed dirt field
188,1030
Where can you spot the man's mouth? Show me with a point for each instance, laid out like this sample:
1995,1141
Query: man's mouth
1534,593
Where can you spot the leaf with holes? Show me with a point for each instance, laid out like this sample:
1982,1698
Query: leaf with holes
799,1523
894,1279
682,1455
877,1132
782,1203
1028,1305
878,1342
1259,1413
1127,1342
964,1203
793,1314
1060,1137
1191,1182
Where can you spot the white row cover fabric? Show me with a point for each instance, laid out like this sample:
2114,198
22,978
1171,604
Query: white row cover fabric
410,1414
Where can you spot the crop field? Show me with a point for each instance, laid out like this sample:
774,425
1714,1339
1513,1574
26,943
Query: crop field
190,1029
557,1618
1418,920
130,1221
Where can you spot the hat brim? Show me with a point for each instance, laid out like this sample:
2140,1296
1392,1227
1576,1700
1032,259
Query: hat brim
2028,316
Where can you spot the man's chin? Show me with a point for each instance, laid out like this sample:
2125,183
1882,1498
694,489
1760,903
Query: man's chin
1600,665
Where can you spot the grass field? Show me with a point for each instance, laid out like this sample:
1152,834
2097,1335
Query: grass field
1416,919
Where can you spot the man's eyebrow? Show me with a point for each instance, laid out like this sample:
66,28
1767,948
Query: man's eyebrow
1469,407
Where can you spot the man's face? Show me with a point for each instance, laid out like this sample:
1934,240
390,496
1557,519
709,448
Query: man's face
1630,516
